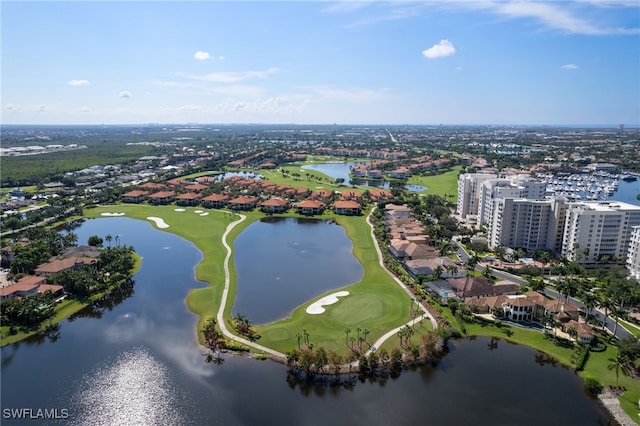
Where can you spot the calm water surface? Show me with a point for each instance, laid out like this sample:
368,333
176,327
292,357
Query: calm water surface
138,363
342,170
283,262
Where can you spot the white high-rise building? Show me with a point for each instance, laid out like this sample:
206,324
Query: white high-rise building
633,255
469,193
594,230
519,187
527,223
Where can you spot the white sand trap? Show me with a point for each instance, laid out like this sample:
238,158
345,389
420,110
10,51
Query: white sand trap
178,210
317,307
111,214
204,214
197,211
160,223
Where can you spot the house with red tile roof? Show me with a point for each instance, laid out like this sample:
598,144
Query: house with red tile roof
135,196
205,180
349,208
196,187
188,199
379,195
322,194
274,205
177,182
53,267
476,287
310,207
400,173
26,286
153,186
162,197
215,201
350,194
243,203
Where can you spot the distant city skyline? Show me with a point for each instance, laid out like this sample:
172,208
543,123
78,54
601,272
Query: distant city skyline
318,62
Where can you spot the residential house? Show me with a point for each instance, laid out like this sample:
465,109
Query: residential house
188,199
476,287
162,197
310,207
349,208
216,201
52,268
135,196
243,203
448,268
274,205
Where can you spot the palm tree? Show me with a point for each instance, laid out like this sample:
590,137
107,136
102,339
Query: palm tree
617,363
347,330
607,304
365,332
108,239
298,336
358,329
589,299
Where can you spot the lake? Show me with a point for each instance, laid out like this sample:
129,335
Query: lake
342,170
138,363
282,263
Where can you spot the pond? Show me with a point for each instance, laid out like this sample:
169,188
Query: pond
282,263
342,170
138,362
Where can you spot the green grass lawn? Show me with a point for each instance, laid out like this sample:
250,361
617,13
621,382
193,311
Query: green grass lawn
376,302
445,184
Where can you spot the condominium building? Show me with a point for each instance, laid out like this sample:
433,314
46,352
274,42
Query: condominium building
516,187
527,223
594,230
469,193
633,256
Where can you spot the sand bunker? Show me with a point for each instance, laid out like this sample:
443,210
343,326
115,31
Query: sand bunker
317,307
160,223
178,210
197,211
111,214
204,214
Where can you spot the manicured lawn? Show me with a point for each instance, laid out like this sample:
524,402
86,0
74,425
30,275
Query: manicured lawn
445,184
376,302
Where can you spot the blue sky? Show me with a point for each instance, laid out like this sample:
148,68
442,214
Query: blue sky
308,62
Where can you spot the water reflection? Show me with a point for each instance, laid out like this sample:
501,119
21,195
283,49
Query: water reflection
134,390
283,262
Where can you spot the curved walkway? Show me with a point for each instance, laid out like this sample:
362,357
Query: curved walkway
225,295
227,281
426,314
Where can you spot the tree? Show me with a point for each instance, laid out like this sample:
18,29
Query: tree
347,330
95,241
108,239
617,364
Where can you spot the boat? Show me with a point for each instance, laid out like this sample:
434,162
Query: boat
629,178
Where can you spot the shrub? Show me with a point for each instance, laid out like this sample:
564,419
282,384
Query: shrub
593,386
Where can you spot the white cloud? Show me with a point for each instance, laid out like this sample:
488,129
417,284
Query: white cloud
201,55
41,108
440,50
233,76
549,14
85,109
78,83
124,94
13,108
569,67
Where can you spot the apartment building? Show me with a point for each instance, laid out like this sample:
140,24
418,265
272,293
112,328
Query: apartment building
527,223
469,193
594,230
633,256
